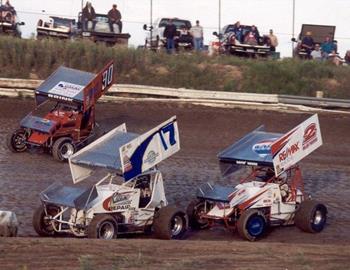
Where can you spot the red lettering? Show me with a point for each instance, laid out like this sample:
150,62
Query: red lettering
289,152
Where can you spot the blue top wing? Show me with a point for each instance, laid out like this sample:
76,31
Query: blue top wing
254,149
64,84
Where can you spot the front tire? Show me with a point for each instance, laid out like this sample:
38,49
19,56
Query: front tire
16,142
169,223
103,226
194,211
251,225
63,148
41,223
311,216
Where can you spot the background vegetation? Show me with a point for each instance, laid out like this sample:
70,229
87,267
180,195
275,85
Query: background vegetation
37,59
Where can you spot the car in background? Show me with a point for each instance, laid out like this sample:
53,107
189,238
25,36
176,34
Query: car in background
227,43
318,33
57,27
155,39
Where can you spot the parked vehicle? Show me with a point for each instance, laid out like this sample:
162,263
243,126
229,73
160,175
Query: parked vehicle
9,23
230,45
57,27
64,118
156,41
273,192
128,198
318,32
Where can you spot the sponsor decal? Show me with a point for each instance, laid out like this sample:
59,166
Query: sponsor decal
263,148
310,136
151,157
289,152
127,164
241,162
117,202
68,90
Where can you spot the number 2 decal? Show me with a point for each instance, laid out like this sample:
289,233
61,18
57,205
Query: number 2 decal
171,130
107,77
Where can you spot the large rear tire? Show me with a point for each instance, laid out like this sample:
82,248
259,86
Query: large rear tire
103,226
42,224
195,209
251,225
63,148
311,216
170,223
16,142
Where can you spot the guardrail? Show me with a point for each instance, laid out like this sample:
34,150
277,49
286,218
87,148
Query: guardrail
19,87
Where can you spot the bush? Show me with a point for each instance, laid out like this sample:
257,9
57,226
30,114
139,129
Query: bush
30,58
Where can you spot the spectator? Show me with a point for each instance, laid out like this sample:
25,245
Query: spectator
273,41
197,34
250,39
114,17
256,33
347,57
327,47
169,33
238,31
88,14
335,58
316,54
307,44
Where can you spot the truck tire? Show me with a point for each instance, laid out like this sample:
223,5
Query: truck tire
169,223
63,148
194,209
251,225
311,216
103,226
42,226
16,142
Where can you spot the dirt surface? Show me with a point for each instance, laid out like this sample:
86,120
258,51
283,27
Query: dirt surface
204,131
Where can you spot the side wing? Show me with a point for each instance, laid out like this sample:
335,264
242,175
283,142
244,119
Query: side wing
296,144
149,149
99,85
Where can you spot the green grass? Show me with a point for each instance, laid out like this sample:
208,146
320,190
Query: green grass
38,59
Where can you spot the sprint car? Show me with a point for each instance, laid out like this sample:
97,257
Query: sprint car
273,192
128,196
64,118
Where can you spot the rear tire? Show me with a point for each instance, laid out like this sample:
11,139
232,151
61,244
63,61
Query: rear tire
62,149
251,225
16,142
311,216
42,226
194,210
169,223
103,226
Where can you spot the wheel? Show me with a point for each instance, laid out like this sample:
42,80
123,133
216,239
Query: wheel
169,223
63,148
251,225
103,226
42,224
311,216
194,211
16,142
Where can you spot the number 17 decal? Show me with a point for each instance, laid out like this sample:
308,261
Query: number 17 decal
170,128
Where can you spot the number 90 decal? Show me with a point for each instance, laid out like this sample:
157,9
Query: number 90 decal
107,77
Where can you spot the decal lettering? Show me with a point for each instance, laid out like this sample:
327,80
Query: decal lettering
310,136
290,151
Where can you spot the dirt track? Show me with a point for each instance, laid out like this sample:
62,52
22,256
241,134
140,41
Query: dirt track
204,131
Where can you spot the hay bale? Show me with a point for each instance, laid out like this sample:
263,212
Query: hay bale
8,224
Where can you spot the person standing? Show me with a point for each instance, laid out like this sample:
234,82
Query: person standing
170,33
114,17
273,41
197,34
88,14
308,44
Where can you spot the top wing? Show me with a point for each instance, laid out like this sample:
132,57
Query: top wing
296,144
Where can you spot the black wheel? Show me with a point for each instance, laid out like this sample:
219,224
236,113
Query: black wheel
16,142
251,225
103,226
63,148
311,216
169,223
42,223
194,211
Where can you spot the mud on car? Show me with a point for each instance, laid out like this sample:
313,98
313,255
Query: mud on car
272,193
